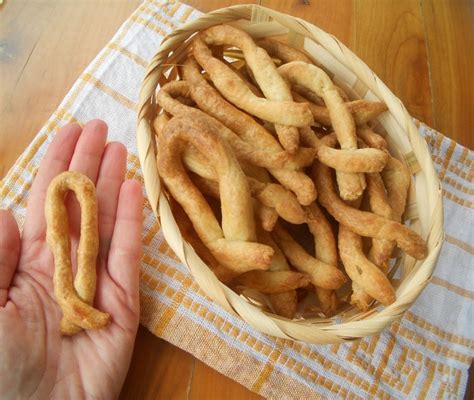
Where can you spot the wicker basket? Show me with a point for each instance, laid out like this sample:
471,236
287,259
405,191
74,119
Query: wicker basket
424,210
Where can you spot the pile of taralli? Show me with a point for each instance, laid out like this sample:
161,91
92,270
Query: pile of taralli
278,180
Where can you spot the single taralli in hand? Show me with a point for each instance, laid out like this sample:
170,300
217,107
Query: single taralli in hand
264,151
75,297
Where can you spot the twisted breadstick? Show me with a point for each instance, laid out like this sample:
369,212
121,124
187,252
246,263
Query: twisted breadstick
206,179
325,250
358,160
75,299
371,138
391,205
282,51
322,275
225,275
362,111
244,150
365,223
272,282
271,195
351,185
280,110
284,303
210,101
366,277
234,244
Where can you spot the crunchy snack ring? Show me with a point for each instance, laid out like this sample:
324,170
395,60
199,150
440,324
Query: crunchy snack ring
282,51
166,99
362,111
272,282
205,177
351,185
325,250
365,223
285,114
366,277
234,245
322,275
210,101
391,205
284,303
74,298
269,194
358,160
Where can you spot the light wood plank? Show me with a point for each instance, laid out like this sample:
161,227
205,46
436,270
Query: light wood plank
333,16
390,39
449,29
209,384
45,45
158,370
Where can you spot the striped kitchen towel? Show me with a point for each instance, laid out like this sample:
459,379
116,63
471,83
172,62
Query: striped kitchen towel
425,355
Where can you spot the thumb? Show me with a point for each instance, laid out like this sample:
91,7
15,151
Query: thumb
9,252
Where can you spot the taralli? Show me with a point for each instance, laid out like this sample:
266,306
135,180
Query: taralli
210,101
322,275
362,111
234,245
282,51
325,250
264,71
267,162
269,194
364,274
351,185
74,297
186,228
357,160
365,223
371,138
284,303
272,282
167,98
396,180
267,215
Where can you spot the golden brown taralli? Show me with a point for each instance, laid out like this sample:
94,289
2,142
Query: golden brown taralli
74,297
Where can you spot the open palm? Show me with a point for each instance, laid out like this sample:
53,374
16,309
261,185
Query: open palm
36,361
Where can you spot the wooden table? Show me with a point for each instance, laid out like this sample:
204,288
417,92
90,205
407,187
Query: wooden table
422,49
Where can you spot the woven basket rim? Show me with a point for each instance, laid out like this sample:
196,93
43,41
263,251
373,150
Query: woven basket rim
325,331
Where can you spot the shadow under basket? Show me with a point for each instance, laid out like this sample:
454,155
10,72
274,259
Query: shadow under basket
424,211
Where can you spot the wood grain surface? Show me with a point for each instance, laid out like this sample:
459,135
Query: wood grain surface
422,49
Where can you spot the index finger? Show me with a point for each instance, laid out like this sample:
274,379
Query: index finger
56,160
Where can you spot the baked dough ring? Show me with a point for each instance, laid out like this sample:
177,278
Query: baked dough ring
325,250
358,160
371,138
234,245
210,101
280,109
270,195
362,111
206,179
166,98
367,278
351,185
390,204
282,51
74,298
365,223
322,275
272,282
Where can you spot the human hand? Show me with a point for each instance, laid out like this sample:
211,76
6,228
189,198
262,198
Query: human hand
36,361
